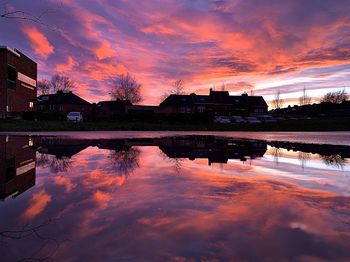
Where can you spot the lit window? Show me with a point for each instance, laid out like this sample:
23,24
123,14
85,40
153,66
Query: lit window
30,142
31,104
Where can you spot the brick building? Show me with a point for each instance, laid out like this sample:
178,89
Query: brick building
109,110
18,76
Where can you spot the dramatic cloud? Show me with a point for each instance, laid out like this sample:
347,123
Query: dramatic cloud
267,44
38,41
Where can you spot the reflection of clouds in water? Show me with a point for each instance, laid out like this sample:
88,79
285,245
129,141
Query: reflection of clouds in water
208,213
37,205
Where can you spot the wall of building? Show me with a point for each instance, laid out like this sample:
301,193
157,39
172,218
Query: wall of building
3,82
19,99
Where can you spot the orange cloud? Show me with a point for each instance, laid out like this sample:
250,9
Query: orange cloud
71,63
37,204
38,41
104,51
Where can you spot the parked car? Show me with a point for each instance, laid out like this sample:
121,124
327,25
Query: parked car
266,119
222,120
237,119
74,117
252,120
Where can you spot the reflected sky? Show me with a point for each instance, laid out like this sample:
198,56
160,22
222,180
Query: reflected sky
195,198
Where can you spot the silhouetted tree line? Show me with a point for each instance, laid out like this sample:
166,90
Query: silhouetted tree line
55,84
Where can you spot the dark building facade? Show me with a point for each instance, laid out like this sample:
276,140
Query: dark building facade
17,165
217,103
18,78
58,105
109,110
142,110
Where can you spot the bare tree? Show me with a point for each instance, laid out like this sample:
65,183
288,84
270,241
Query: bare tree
335,97
276,153
126,87
223,87
304,99
278,101
125,161
176,89
303,157
55,164
61,83
335,161
43,87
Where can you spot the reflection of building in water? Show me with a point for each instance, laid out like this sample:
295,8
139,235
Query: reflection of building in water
215,149
17,165
60,147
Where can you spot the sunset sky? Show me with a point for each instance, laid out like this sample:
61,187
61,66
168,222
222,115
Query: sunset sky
260,45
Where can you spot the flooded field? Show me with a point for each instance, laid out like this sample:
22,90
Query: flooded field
175,196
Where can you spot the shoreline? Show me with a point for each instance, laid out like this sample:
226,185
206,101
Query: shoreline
305,125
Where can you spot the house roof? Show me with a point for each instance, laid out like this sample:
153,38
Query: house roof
215,97
177,99
257,101
62,98
117,102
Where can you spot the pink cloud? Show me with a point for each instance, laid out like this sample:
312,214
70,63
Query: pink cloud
38,41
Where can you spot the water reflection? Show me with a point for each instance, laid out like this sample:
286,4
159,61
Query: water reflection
17,165
124,199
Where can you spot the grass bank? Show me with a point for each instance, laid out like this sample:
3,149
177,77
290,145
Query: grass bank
334,124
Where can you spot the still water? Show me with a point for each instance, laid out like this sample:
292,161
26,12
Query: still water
174,197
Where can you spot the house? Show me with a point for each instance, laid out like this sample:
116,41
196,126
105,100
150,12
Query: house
217,103
141,110
108,110
57,106
18,77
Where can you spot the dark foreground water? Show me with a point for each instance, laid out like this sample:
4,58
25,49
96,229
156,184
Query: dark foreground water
149,197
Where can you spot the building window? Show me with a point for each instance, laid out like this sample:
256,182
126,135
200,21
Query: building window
11,77
31,105
201,109
30,142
